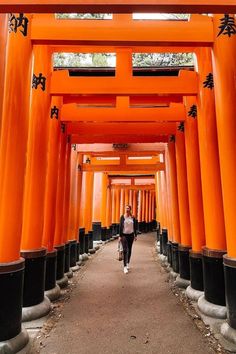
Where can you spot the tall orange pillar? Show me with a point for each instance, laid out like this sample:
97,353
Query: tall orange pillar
131,199
126,196
169,208
52,290
117,217
185,232
35,185
195,196
122,201
224,72
79,187
66,205
157,200
3,45
143,209
147,195
58,235
104,231
73,205
86,209
14,133
73,208
134,203
210,175
140,196
164,211
109,208
174,204
97,206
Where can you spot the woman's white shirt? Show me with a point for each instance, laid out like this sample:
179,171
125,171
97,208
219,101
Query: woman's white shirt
128,225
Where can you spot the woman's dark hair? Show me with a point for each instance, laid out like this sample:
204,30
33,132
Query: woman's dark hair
129,206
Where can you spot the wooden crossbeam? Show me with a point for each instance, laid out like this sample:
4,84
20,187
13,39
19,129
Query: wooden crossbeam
127,168
140,187
118,139
110,100
75,113
107,149
118,6
126,129
123,30
185,84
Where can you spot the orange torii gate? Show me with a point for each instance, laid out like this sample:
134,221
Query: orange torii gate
113,6
190,186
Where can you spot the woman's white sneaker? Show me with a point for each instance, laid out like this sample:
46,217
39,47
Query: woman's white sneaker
125,270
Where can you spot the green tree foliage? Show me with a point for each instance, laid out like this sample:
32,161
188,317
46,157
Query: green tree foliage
105,59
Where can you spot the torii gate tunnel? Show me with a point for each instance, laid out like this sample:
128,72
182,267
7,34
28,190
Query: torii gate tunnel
76,148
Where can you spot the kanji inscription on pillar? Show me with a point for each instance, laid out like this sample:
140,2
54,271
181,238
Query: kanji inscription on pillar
181,127
18,22
39,80
228,26
209,82
193,111
54,112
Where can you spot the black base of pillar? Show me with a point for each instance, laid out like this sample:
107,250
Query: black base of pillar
169,252
34,279
196,270
86,243
213,275
90,240
175,257
97,231
184,266
73,253
158,232
11,296
230,289
140,226
113,226
164,241
78,251
51,270
108,233
104,234
82,240
161,244
67,257
60,261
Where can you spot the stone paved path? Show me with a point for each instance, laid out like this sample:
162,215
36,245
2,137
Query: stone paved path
110,312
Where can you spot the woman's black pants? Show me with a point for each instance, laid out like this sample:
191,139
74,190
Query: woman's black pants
127,243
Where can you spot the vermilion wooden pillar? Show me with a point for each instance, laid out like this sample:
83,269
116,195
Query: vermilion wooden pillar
195,197
3,45
174,204
135,203
66,205
52,290
97,206
104,232
72,229
73,209
211,180
140,196
122,201
224,72
59,236
14,133
109,209
35,184
184,269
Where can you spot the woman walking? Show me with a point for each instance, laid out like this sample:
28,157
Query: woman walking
128,233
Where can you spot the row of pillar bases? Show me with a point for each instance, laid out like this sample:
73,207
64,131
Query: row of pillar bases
207,276
35,280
